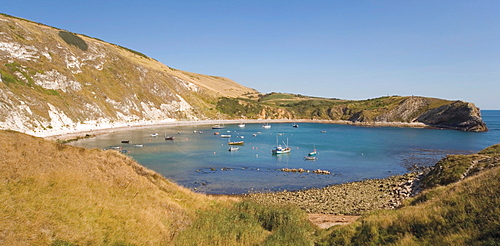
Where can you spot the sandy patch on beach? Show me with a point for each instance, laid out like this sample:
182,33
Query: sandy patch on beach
325,221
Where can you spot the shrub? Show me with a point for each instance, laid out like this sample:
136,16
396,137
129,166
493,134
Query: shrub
73,39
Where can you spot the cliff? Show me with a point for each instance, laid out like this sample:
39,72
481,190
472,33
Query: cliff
52,80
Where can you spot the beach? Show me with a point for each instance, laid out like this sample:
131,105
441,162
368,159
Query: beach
87,131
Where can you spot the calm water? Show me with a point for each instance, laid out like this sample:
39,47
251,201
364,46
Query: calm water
200,160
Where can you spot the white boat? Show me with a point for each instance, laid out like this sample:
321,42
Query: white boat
154,134
225,136
266,126
241,125
310,158
295,125
233,148
280,149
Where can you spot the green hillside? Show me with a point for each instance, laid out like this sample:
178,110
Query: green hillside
431,112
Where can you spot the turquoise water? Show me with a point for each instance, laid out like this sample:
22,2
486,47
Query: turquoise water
200,160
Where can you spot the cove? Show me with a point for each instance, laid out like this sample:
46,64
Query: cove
199,159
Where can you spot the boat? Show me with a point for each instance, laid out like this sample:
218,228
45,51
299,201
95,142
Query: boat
236,142
218,126
233,148
125,141
241,125
280,149
266,126
169,137
225,136
295,125
310,158
154,134
139,145
312,153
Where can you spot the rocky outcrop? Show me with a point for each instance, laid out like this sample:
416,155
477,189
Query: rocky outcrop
406,111
459,115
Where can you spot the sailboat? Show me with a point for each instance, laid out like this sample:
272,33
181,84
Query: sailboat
241,125
266,126
280,149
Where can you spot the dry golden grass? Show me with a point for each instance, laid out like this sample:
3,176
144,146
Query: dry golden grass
88,197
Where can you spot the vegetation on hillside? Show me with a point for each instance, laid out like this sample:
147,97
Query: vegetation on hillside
451,213
304,107
463,213
55,194
73,39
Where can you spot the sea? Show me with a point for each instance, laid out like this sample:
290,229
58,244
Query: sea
198,157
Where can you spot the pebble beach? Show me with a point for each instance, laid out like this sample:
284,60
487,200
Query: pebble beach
354,198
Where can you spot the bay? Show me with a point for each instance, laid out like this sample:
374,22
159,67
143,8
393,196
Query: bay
198,159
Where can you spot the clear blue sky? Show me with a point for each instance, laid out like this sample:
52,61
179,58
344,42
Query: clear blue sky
335,49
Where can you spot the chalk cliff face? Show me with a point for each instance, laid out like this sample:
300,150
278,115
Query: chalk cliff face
54,81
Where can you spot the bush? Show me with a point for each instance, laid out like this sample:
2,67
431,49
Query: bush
73,39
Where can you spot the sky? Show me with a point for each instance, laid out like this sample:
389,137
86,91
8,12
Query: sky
344,49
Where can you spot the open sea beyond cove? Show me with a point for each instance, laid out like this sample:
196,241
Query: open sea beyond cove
198,159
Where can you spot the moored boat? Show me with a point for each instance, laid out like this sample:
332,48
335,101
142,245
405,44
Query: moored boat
241,125
217,126
236,142
280,149
312,153
266,126
233,148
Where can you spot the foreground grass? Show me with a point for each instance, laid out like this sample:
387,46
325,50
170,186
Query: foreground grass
461,213
247,223
54,194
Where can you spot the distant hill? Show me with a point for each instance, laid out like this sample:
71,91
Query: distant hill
391,110
53,81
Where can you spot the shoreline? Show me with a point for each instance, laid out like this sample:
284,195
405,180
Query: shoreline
64,136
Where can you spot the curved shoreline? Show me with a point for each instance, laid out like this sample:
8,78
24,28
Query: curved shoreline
62,136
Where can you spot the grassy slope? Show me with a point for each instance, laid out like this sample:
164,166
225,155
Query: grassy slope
57,192
304,107
460,213
54,194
